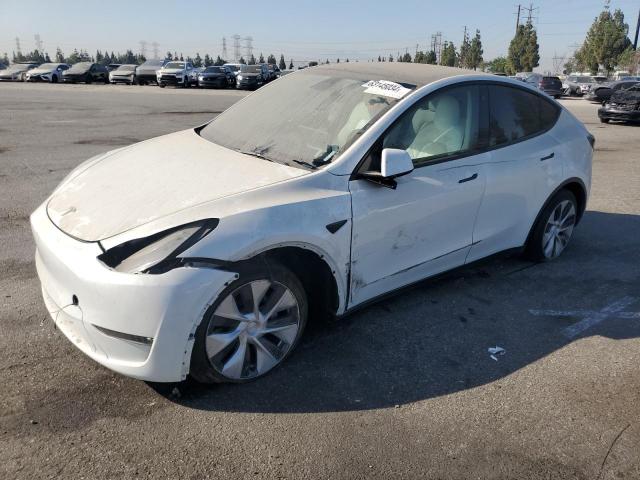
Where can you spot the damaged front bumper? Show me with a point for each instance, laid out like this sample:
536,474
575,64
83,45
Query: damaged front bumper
138,325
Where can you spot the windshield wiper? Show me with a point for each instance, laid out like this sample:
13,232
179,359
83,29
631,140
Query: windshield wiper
306,164
254,154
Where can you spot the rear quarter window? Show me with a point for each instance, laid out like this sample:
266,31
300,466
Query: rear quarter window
515,114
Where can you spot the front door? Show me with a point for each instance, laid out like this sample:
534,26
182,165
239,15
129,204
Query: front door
425,225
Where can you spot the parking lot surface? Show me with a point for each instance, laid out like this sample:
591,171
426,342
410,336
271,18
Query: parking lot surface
402,389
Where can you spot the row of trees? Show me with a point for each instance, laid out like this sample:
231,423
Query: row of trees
469,55
606,46
524,52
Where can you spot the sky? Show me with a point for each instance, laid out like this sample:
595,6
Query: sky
302,30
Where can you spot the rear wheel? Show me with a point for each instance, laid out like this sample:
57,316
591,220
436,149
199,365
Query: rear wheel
554,227
604,120
251,328
88,79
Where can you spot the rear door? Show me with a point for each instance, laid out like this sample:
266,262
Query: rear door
525,166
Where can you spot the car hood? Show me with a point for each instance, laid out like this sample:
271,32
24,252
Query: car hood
626,97
152,179
171,70
246,75
41,71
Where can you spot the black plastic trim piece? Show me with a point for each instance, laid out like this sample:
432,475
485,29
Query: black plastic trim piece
468,179
335,226
124,336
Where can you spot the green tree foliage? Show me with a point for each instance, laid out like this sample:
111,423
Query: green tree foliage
282,65
261,59
220,61
390,58
499,65
465,48
524,49
448,56
474,55
431,58
5,58
405,58
59,56
242,61
252,60
606,41
271,60
207,60
291,64
197,60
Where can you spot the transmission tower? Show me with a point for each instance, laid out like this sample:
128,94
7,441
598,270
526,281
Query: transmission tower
248,47
18,49
39,43
224,48
436,45
156,50
143,48
531,9
236,47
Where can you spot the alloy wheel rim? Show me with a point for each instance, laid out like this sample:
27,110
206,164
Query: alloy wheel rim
252,329
558,230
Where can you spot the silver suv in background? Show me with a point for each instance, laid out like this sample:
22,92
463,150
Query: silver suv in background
175,73
578,85
146,73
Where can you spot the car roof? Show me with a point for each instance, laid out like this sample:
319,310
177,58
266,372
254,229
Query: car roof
408,73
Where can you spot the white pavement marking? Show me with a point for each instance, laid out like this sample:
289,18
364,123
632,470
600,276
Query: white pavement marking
591,317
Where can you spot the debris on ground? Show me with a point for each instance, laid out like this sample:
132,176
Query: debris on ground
495,352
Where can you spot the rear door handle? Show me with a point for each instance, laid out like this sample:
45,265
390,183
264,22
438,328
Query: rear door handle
468,179
547,157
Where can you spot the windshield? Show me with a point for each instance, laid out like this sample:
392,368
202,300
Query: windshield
152,63
300,120
213,70
80,67
233,68
17,67
585,79
250,69
126,68
179,65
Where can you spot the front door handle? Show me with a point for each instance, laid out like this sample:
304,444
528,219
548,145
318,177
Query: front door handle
547,157
468,179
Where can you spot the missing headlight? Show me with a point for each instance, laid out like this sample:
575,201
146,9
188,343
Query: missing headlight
157,253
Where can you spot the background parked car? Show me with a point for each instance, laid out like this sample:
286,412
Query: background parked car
86,72
578,85
550,85
47,72
17,72
175,73
234,68
147,72
624,105
113,66
250,77
215,76
602,93
273,71
123,74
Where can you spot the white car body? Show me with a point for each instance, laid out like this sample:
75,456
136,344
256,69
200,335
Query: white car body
143,325
50,72
176,76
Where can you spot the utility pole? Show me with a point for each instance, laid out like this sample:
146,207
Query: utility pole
18,49
236,47
143,48
531,9
39,44
518,18
156,50
635,40
248,47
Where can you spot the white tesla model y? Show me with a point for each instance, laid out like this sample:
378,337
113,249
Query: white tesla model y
206,251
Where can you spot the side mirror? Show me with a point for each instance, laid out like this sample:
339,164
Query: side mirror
395,163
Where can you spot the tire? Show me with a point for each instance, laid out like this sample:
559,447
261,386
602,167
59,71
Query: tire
242,352
54,79
604,120
88,79
554,227
161,85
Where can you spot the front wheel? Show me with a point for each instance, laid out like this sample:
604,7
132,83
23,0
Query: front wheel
604,120
251,328
554,227
88,79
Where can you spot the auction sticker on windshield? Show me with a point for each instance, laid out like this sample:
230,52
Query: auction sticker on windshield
386,88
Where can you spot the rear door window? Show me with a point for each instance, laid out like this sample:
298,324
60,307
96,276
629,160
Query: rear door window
515,114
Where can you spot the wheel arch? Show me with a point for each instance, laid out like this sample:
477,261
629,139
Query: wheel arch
577,187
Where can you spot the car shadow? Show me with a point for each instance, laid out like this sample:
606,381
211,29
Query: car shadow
433,339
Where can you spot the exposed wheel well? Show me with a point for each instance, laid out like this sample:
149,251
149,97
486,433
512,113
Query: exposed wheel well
316,277
581,197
